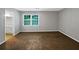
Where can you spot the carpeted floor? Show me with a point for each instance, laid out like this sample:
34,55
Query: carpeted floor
40,41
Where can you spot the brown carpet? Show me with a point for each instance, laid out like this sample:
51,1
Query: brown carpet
40,41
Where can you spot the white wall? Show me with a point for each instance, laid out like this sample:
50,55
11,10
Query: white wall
69,22
48,21
2,25
16,21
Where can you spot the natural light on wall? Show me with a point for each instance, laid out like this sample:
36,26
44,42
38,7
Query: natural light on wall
7,15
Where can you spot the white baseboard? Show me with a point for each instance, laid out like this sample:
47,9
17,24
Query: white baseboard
70,36
42,31
47,30
3,42
16,33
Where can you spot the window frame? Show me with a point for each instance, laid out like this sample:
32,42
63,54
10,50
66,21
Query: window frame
30,20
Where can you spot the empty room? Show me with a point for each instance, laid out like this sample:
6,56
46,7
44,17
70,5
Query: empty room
39,28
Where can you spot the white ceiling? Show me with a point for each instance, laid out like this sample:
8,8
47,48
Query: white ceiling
39,9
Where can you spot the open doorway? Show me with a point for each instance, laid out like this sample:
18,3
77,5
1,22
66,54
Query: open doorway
8,25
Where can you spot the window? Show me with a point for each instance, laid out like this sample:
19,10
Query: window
27,19
34,19
30,19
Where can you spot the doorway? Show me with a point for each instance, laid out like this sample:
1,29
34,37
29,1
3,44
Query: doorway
8,26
